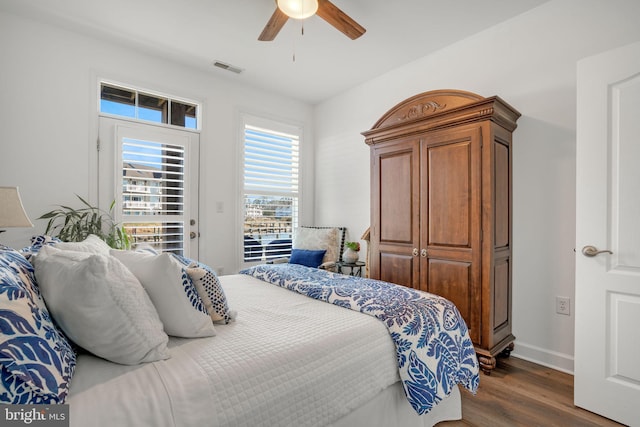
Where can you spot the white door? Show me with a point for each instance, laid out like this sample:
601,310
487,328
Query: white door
151,172
607,308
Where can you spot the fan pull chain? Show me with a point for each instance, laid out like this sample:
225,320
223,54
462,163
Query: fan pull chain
293,46
294,39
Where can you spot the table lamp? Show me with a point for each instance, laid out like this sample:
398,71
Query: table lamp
12,212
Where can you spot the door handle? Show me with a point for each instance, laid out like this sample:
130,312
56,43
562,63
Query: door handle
415,252
423,253
592,251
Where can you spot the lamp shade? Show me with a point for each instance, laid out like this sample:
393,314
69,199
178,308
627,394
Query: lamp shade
298,9
12,212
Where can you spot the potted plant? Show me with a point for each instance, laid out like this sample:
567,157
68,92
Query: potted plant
351,255
74,225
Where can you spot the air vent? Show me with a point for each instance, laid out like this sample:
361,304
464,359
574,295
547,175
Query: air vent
227,67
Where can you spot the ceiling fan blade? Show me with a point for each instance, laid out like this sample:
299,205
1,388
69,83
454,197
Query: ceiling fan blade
273,27
340,20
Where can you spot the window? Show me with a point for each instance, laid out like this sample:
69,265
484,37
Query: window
132,103
271,194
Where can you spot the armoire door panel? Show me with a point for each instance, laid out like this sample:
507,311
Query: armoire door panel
453,280
449,190
396,197
502,194
501,297
397,268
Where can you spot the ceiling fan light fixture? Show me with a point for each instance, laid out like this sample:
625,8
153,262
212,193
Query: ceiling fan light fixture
298,9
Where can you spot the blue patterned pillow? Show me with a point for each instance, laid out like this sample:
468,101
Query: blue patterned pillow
37,242
36,360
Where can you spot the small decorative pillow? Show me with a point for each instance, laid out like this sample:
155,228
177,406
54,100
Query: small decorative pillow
210,290
101,306
319,238
207,283
181,309
92,244
306,257
36,360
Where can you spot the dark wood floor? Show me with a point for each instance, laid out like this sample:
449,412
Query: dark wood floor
521,393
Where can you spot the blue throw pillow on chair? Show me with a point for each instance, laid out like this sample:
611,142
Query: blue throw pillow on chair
307,257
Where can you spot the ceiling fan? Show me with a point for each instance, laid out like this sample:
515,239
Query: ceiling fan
301,9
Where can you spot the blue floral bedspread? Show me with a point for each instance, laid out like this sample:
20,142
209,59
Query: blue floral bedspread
432,341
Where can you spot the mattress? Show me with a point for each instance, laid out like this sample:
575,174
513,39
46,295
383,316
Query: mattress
287,360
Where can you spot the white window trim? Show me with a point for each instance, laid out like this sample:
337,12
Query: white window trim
144,90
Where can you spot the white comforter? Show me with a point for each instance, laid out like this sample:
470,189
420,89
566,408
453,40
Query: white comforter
287,360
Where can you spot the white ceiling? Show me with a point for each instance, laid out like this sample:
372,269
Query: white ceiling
198,32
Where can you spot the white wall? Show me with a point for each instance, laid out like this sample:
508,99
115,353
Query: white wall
48,125
529,61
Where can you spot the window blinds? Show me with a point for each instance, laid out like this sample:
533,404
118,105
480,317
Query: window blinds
153,193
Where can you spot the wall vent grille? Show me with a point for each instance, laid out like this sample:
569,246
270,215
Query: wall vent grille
227,67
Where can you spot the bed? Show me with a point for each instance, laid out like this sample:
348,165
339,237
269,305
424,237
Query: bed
286,359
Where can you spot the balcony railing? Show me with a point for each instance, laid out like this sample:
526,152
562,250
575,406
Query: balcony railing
141,205
132,188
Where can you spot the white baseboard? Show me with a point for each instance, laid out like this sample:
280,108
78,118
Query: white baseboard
551,359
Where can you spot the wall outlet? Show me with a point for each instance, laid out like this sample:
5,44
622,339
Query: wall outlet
563,305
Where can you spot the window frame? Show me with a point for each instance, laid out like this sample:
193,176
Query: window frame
148,92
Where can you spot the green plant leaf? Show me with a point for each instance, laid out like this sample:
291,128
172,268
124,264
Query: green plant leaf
85,202
74,225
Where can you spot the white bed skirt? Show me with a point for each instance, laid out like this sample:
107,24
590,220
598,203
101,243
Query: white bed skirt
391,408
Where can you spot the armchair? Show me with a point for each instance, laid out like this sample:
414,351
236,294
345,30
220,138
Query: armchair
330,239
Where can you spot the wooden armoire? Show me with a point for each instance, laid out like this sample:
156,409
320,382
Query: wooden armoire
441,198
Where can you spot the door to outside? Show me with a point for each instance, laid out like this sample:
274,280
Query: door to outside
152,174
607,346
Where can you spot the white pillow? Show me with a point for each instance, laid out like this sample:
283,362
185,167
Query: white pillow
92,244
181,309
100,305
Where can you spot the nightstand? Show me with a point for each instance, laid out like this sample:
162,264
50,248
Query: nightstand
355,268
